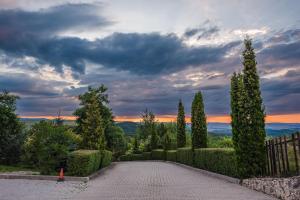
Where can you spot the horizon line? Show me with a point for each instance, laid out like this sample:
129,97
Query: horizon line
276,118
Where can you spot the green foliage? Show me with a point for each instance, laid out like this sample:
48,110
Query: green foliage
92,127
11,134
93,117
219,141
171,155
199,127
106,158
181,136
219,160
116,141
135,145
48,145
158,154
185,156
247,114
83,162
146,155
132,157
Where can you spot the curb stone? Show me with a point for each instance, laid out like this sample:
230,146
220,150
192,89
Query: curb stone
54,178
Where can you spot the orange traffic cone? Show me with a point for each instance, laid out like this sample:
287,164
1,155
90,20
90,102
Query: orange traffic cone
61,175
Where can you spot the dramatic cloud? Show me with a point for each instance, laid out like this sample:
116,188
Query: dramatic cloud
45,60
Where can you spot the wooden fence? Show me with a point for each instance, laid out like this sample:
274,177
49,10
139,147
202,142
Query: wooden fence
283,156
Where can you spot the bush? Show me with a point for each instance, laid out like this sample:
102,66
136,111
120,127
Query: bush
171,155
219,160
83,162
47,146
131,157
158,154
106,158
185,156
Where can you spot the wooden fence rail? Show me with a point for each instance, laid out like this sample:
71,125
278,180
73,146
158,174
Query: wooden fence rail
283,156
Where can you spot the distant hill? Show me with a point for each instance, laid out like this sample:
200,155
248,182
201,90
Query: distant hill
128,127
272,129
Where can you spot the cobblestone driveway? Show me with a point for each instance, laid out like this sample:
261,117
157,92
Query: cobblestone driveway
162,181
132,181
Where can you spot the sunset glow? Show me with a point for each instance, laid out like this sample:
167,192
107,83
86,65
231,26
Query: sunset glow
286,118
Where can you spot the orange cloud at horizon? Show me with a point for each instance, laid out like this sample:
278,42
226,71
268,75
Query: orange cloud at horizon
279,118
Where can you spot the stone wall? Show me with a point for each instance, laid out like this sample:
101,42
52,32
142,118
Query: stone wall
282,188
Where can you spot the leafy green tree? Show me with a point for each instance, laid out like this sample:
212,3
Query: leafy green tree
181,136
93,136
248,115
199,127
11,134
161,131
102,100
116,141
148,128
47,146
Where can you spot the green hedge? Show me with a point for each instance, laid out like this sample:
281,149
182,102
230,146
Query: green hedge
219,160
83,162
106,158
171,155
131,157
158,154
185,156
146,155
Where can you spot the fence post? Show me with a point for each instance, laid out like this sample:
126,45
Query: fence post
277,156
267,154
282,155
286,155
295,153
274,157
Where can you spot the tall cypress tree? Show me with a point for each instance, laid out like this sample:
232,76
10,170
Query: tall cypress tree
247,114
256,114
181,137
199,127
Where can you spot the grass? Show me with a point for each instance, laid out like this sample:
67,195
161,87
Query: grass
8,168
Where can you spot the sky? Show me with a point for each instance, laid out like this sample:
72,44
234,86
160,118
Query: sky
149,54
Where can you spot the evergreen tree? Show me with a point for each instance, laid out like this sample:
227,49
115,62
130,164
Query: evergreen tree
102,100
247,114
181,137
199,127
92,126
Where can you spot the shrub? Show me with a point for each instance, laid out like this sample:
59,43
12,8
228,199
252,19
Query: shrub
106,158
83,162
185,156
131,157
220,160
158,154
47,146
171,155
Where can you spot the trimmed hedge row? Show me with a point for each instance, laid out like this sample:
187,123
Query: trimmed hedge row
171,155
220,160
185,156
106,158
131,157
85,162
158,154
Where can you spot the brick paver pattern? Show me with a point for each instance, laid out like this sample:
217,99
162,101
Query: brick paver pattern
162,181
